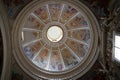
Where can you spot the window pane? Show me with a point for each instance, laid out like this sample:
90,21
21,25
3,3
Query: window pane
117,54
117,41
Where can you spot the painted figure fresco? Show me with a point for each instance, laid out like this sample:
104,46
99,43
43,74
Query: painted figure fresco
42,13
42,59
82,35
69,59
54,11
55,62
77,48
73,45
67,13
28,52
77,22
87,37
32,49
33,23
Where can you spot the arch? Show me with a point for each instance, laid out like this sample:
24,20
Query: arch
6,71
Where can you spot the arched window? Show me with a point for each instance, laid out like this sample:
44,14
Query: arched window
116,46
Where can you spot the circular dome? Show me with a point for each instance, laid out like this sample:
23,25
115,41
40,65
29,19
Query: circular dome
56,38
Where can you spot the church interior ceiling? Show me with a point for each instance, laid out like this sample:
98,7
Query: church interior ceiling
102,11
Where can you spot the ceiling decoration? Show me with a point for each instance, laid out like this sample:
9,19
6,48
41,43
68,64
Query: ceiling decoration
55,39
14,6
